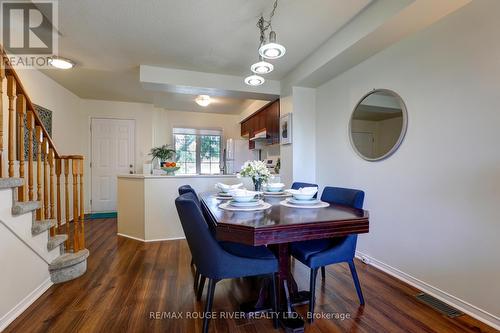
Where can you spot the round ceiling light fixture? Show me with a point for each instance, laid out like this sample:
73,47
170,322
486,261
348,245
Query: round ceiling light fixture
61,63
203,100
262,67
254,80
272,50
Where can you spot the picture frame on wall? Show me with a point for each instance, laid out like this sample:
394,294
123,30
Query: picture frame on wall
286,129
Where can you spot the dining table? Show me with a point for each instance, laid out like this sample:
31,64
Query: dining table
277,227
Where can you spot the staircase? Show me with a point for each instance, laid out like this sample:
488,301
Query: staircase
43,211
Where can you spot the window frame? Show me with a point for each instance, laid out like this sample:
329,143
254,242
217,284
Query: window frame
199,132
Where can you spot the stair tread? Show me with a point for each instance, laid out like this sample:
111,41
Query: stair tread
56,240
20,207
69,259
10,182
41,226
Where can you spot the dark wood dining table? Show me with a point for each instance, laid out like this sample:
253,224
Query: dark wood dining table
277,227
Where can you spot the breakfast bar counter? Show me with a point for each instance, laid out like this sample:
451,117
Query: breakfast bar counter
146,203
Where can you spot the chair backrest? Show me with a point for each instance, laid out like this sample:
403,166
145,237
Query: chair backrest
204,248
188,189
343,196
297,185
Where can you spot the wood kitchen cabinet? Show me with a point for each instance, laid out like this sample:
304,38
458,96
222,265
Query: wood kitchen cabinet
266,119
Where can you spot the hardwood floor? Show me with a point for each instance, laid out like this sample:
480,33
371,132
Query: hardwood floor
128,280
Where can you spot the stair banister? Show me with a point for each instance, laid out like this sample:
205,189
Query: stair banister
53,210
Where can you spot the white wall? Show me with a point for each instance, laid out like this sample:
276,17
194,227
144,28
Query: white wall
434,203
286,151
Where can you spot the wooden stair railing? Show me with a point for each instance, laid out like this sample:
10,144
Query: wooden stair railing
44,185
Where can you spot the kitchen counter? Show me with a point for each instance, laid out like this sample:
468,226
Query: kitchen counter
141,176
146,203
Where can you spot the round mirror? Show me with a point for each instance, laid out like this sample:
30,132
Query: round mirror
378,124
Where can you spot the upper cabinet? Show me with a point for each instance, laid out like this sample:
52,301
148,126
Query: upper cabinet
263,125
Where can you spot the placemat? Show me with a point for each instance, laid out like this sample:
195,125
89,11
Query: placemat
227,206
318,205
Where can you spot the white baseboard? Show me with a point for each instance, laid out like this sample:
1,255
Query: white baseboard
10,316
150,240
472,310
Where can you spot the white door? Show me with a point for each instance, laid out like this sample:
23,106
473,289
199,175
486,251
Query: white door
113,142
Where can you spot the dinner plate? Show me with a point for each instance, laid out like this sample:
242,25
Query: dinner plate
274,193
252,203
224,194
303,202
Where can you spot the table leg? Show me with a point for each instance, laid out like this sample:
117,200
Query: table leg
288,292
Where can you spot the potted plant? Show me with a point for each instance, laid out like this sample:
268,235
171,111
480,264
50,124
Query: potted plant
257,170
163,154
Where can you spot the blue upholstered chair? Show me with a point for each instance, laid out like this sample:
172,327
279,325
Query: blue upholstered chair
212,260
297,185
188,189
323,252
238,249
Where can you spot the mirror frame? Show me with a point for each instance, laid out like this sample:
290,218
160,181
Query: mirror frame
404,126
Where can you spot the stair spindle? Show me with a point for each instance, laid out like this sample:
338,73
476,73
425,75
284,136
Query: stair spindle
39,196
31,127
11,93
51,158
46,185
82,206
58,191
66,200
21,112
2,77
76,232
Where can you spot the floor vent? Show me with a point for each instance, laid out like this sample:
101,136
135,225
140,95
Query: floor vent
439,305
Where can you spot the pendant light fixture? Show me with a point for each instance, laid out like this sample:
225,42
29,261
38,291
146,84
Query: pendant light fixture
269,49
254,80
272,50
262,67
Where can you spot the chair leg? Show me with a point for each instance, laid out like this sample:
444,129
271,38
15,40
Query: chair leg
312,292
274,300
323,273
196,279
356,282
208,305
199,292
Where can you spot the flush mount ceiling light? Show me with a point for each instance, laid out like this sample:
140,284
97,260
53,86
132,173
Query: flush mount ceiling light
268,49
61,63
254,80
262,67
272,50
203,100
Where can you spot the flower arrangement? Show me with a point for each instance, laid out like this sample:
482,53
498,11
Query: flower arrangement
257,170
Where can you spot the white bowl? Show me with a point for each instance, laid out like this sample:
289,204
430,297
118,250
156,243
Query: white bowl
226,188
303,196
275,187
243,195
305,193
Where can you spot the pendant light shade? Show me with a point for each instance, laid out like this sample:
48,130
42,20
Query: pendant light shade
254,80
262,67
272,50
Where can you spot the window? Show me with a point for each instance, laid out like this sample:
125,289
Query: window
198,150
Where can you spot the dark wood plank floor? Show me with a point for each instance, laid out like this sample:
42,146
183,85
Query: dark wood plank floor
127,280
